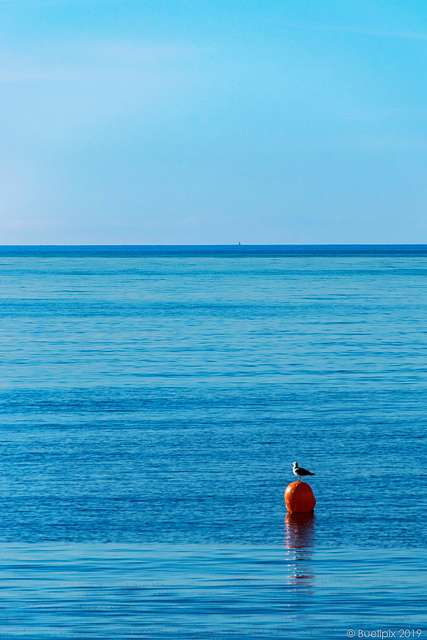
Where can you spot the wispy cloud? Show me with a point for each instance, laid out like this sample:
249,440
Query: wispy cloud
402,34
81,60
17,76
140,52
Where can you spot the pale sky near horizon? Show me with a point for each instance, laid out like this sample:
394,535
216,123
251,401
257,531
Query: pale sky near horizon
200,122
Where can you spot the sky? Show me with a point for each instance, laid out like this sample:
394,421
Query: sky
200,122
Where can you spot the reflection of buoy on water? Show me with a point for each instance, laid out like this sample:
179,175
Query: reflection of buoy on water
299,530
299,497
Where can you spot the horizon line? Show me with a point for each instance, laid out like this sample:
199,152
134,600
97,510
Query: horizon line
231,245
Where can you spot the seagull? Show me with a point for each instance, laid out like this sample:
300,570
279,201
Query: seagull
299,471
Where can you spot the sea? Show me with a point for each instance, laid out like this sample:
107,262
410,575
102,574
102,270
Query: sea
152,402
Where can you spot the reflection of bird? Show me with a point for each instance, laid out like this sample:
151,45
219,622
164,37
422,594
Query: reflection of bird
299,471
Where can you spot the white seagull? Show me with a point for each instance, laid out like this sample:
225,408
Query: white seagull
299,471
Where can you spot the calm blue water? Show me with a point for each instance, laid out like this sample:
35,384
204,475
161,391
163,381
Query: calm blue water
152,402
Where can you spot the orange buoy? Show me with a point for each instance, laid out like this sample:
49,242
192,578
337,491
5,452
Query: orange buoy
299,497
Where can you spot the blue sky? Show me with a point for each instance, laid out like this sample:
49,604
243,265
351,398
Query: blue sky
200,122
